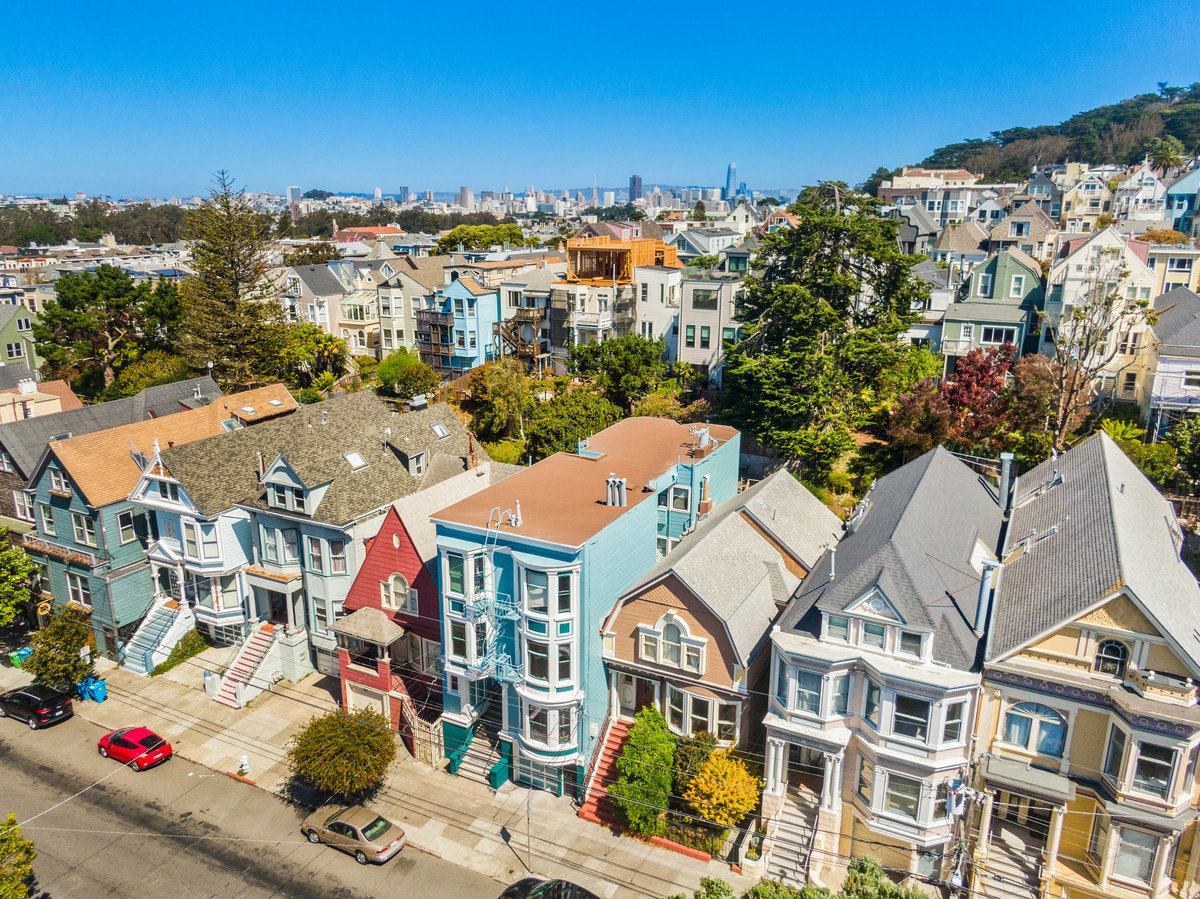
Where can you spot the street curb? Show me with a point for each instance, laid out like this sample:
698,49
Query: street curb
244,780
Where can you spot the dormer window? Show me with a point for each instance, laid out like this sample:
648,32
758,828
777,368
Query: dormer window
1112,657
910,643
58,482
416,465
874,634
670,643
281,496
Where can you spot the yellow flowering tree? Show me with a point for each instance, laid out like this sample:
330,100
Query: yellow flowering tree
723,790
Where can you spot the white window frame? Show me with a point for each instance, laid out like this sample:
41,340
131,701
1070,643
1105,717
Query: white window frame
46,516
1016,286
678,492
58,481
22,505
122,527
404,599
79,591
83,526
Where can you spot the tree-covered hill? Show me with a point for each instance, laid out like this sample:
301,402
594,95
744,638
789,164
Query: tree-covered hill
1123,133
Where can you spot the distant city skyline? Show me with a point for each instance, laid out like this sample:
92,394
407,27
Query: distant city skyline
154,103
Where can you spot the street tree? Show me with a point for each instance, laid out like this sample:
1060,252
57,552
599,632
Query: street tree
824,313
404,374
232,316
622,369
559,425
58,658
1088,335
347,754
16,579
98,321
16,860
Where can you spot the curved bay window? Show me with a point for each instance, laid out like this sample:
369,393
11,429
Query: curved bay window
1037,728
1112,657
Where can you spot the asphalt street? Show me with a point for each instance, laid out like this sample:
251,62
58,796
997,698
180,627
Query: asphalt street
180,830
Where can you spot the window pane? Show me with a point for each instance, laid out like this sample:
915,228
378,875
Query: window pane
539,660
808,692
1016,729
902,795
910,643
873,635
727,721
866,778
699,715
536,589
952,731
675,707
1153,770
871,706
839,628
564,593
456,573
458,639
1050,738
841,695
911,718
564,662
1135,854
781,684
671,647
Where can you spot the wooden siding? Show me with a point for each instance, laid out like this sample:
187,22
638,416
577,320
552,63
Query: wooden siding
384,558
649,606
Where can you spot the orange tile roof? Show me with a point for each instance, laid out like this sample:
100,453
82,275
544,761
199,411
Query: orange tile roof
562,497
67,399
102,467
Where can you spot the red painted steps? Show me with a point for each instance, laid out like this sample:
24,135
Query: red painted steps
598,807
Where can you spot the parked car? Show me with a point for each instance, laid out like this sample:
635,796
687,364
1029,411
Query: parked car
36,705
138,747
357,830
536,888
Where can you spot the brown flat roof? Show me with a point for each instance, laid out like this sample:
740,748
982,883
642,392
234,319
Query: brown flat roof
562,497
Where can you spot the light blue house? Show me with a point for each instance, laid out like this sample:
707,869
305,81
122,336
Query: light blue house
1183,200
456,335
528,570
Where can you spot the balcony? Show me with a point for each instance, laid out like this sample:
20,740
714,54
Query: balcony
46,548
529,314
429,317
592,319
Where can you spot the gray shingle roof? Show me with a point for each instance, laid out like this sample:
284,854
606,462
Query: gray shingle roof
965,237
25,440
971,311
1114,530
736,572
14,373
221,472
915,544
320,279
1178,327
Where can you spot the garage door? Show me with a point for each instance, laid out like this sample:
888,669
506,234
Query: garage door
364,698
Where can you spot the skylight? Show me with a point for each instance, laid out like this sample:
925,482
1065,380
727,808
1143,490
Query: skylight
354,457
276,402
440,429
230,425
249,410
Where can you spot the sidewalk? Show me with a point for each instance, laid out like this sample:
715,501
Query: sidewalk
447,816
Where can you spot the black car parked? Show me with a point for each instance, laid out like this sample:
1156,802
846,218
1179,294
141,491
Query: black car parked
537,888
36,705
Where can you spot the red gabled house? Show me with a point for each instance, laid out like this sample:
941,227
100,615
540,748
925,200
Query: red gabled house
390,639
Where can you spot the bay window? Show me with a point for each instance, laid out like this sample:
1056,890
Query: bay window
315,559
458,639
1114,757
191,546
456,570
910,643
553,728
537,660
208,542
537,588
871,703
270,549
1095,846
539,724
727,722
866,778
337,556
781,683
841,694
564,592
952,727
700,715
478,574
838,628
675,708
564,662
291,545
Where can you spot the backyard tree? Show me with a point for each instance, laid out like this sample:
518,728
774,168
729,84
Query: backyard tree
622,369
403,374
343,753
559,425
16,579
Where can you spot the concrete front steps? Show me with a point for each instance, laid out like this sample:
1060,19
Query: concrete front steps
163,627
788,859
598,805
245,664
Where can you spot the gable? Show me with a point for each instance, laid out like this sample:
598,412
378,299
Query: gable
280,472
392,551
876,605
1122,614
648,606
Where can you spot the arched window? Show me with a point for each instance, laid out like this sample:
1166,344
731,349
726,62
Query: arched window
396,593
1037,728
672,644
1111,658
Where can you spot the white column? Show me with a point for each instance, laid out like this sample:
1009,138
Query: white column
772,778
835,789
826,779
985,826
1160,879
1052,841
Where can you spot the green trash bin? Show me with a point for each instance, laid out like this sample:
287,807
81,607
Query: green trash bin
15,658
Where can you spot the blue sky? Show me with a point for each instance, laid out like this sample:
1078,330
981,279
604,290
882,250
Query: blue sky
150,99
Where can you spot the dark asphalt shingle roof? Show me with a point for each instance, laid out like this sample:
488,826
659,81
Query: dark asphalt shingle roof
221,472
915,544
320,279
25,440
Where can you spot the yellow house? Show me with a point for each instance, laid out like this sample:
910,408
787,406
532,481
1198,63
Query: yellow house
1088,729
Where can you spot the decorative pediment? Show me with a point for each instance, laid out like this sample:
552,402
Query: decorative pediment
876,605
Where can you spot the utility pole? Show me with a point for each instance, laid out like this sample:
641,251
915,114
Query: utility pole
528,828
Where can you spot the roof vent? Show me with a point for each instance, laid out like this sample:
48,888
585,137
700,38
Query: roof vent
614,490
275,402
323,416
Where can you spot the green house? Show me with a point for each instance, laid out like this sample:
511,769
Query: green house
1002,298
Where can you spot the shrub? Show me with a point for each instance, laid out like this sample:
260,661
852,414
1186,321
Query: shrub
404,375
190,644
510,452
723,790
308,396
690,753
643,786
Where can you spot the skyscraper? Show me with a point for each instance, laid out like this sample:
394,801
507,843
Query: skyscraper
635,188
293,198
595,194
730,181
465,200
404,193
378,195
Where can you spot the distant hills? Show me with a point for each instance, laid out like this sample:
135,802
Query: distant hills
1122,133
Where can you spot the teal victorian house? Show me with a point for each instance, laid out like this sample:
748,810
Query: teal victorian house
528,570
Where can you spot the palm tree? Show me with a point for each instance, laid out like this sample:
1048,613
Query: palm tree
329,354
1167,155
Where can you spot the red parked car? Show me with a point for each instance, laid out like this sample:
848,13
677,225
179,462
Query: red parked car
138,747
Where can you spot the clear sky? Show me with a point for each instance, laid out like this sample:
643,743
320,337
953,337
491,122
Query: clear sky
139,99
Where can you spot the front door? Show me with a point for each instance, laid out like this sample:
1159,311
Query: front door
645,693
278,607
